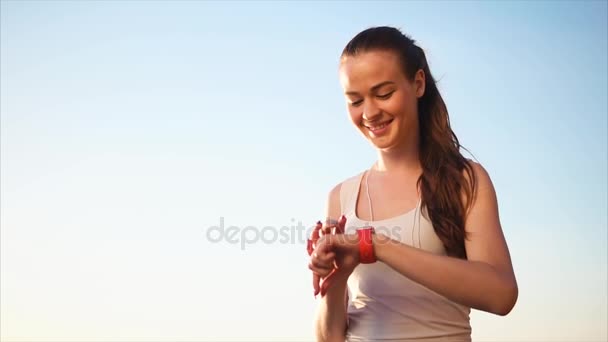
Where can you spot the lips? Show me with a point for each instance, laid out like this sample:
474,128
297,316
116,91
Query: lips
378,126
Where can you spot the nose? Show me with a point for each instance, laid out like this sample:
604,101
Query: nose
371,112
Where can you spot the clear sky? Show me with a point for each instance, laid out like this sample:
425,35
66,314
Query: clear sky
129,129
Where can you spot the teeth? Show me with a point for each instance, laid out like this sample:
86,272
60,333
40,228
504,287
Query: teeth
375,128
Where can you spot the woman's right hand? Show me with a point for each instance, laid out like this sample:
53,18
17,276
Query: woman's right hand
333,257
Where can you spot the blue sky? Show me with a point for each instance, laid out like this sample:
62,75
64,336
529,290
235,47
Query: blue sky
128,129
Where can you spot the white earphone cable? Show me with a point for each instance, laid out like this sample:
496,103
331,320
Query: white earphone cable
369,200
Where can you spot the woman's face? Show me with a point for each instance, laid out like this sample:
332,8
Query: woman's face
381,101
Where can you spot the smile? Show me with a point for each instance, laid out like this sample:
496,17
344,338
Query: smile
379,127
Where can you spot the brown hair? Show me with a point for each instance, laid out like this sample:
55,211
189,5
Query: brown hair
443,182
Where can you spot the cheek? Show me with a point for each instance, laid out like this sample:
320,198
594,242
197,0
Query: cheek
355,115
401,107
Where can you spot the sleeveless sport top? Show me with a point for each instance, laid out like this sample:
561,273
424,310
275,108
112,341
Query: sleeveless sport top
387,306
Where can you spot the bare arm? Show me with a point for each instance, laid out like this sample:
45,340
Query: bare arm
330,322
485,281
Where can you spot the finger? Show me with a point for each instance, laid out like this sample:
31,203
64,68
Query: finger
326,258
325,245
314,236
321,272
329,227
322,268
327,283
315,283
315,232
322,261
341,225
330,224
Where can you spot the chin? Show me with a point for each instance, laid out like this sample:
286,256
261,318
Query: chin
384,147
383,143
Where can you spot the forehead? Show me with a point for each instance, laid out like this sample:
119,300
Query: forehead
364,70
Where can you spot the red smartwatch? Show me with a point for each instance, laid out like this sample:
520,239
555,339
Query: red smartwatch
366,247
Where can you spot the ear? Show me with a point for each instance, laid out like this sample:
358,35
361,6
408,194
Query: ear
419,83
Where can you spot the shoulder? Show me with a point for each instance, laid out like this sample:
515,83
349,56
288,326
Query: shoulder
334,198
483,207
481,178
350,180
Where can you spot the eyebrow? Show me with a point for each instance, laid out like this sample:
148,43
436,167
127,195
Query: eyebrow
374,88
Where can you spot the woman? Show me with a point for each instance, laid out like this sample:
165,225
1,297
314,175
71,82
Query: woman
438,248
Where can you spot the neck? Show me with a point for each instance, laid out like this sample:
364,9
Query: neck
399,161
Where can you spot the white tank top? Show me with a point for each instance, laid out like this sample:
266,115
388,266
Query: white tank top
385,305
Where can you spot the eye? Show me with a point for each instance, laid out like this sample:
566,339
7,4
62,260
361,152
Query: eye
356,103
386,96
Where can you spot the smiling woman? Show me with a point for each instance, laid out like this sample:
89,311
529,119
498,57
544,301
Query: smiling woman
448,254
374,106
